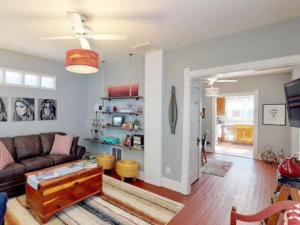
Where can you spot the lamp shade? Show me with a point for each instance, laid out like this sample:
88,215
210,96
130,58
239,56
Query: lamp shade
82,61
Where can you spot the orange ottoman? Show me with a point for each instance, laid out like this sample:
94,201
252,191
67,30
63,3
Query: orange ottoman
127,169
106,161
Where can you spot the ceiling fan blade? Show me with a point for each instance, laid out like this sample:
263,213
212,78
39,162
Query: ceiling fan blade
58,38
76,19
112,37
84,43
226,81
211,82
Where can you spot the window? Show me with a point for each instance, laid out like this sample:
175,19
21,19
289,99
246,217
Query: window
48,82
32,80
239,109
12,77
1,76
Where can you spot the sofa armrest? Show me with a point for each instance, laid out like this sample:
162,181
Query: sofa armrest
79,151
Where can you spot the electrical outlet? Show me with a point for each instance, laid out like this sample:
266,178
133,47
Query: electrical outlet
168,170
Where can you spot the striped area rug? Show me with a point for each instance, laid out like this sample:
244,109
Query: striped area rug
121,203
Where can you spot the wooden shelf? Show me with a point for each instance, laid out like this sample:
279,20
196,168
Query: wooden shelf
97,141
121,128
123,113
125,97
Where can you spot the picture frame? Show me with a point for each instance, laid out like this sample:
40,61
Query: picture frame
47,109
274,114
23,109
117,121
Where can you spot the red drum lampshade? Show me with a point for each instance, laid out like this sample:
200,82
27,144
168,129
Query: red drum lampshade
82,61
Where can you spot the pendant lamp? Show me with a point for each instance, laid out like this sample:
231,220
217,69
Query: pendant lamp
82,61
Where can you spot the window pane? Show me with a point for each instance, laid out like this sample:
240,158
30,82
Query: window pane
239,109
12,77
1,76
32,80
48,82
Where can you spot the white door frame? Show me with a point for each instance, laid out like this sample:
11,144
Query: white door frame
198,86
190,74
255,94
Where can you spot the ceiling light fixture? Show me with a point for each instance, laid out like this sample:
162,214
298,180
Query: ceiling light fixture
212,91
82,61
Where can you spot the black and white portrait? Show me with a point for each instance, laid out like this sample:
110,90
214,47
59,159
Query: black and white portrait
274,114
23,109
47,109
3,109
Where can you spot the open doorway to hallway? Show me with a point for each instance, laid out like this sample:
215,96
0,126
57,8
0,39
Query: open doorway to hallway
234,123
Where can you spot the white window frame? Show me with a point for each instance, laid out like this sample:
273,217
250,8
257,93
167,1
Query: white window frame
23,79
32,86
41,87
10,84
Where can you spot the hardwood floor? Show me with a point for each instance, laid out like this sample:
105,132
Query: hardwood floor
248,185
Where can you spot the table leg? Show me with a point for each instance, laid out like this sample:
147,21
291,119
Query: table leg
295,194
283,195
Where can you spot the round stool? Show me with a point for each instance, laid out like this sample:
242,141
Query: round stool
127,169
106,161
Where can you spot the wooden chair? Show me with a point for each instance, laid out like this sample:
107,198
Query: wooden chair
263,214
203,147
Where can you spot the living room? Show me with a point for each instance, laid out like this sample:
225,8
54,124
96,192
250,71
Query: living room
146,49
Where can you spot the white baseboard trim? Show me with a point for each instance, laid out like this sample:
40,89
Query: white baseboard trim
141,175
174,185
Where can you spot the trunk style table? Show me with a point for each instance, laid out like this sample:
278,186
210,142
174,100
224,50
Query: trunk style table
59,193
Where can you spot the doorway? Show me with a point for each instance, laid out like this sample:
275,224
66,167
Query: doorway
234,124
190,75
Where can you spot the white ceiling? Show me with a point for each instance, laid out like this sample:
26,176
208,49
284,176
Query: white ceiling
167,23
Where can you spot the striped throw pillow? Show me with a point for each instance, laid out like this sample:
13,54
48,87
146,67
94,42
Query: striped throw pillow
5,156
292,216
62,144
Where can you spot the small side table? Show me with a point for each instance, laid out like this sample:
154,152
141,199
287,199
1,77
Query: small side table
288,188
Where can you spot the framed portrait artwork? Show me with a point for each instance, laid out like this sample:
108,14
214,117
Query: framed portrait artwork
274,114
3,109
23,109
47,109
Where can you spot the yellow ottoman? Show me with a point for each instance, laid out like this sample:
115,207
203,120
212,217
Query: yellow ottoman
127,169
106,161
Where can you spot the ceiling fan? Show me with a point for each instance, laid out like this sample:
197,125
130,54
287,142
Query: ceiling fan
83,60
83,33
212,91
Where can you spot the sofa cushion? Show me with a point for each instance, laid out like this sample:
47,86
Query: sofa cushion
36,163
59,159
62,144
27,146
47,140
5,157
12,171
9,144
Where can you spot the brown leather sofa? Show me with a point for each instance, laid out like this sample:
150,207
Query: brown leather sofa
31,153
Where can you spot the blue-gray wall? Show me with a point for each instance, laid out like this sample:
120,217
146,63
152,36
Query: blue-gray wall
71,95
130,71
273,41
77,94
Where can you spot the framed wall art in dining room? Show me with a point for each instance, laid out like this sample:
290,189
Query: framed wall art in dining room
274,114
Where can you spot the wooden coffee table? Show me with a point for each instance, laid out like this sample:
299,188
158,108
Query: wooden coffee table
59,193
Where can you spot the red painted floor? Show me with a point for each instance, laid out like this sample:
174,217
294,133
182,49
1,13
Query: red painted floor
248,185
